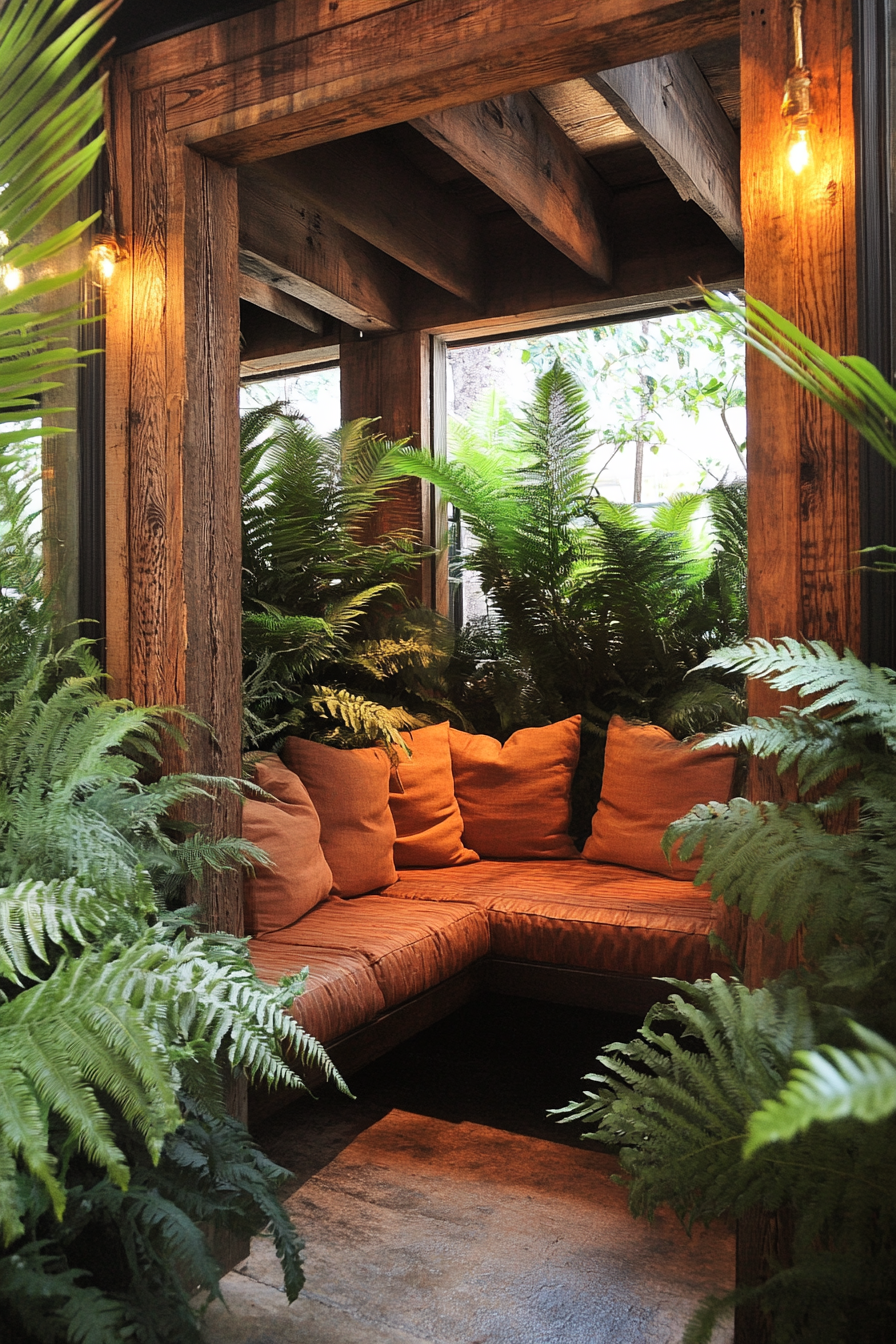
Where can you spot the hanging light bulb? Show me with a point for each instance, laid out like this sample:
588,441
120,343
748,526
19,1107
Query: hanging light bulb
103,257
12,277
796,108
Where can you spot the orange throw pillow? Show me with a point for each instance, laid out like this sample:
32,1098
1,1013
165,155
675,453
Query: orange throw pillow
289,832
428,824
650,780
350,792
514,799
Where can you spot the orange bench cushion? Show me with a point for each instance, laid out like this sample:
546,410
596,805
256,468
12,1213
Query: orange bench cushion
409,946
584,915
341,992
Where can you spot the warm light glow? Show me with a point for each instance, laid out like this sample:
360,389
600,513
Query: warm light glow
12,278
104,257
4,238
798,153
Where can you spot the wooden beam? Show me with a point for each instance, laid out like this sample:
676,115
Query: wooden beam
393,205
532,285
296,248
270,344
515,147
278,301
671,108
270,89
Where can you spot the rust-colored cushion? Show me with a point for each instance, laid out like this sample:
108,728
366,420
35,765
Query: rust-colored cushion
587,916
650,780
428,825
340,993
514,799
350,792
289,832
409,945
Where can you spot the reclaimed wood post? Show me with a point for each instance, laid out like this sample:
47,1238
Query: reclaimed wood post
173,605
800,257
400,378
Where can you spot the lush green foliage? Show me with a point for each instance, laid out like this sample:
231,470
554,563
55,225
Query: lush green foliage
116,1018
718,1126
330,645
593,611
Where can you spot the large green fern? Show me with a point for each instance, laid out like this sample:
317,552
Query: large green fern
331,647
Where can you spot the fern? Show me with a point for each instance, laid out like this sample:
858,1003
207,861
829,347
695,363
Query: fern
829,1084
323,603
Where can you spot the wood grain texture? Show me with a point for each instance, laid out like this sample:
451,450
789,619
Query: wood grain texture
800,258
264,335
157,634
211,536
119,307
409,61
585,115
295,247
386,200
278,301
389,377
669,105
518,150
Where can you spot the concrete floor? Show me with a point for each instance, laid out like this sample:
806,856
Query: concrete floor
442,1206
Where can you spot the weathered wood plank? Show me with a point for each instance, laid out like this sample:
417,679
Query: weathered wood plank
202,49
278,301
393,205
211,556
157,633
410,61
515,147
119,310
390,377
672,109
295,247
265,336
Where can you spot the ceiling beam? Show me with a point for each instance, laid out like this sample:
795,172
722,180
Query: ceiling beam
386,200
294,247
671,108
304,74
280,302
517,149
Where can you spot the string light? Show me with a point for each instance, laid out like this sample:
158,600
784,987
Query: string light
12,277
796,108
103,257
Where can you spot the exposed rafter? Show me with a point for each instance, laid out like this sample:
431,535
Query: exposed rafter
386,200
280,302
669,105
296,248
517,149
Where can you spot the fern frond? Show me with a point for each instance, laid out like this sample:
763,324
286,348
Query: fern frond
828,1084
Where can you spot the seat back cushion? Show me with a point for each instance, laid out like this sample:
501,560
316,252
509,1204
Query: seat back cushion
350,792
514,798
299,876
428,824
650,780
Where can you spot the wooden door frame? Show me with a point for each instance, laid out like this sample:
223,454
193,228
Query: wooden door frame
183,112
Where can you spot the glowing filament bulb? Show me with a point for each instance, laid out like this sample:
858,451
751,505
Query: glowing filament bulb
798,153
104,257
12,278
4,238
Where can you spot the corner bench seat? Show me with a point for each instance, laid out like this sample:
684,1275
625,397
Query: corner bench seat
370,955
